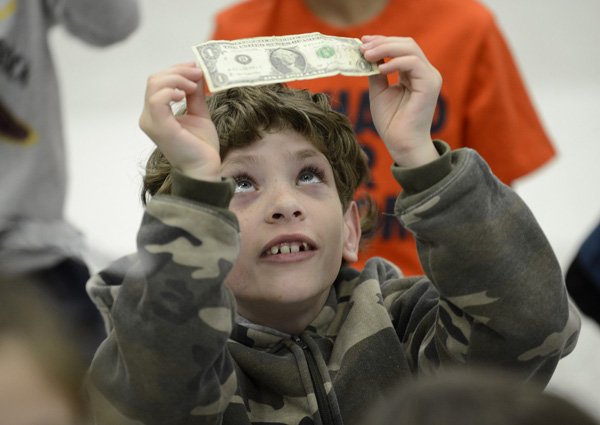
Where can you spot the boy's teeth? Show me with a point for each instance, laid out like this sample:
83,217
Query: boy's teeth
287,248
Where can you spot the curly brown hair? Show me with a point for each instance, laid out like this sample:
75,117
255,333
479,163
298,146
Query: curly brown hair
243,115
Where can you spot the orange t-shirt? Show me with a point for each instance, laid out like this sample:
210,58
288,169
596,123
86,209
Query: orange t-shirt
483,105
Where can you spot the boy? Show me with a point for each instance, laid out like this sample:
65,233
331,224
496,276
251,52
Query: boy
239,307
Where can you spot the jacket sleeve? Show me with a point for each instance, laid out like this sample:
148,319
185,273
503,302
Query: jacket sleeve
98,22
495,292
165,359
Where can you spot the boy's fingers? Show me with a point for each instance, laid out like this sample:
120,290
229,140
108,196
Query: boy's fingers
175,81
377,84
370,38
411,64
158,108
159,105
196,101
390,47
166,95
187,71
420,76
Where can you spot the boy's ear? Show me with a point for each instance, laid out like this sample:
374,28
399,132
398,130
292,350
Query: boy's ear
352,233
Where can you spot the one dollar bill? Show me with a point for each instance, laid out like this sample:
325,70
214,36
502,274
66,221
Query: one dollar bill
264,60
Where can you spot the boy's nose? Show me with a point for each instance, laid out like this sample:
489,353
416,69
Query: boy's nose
284,207
278,216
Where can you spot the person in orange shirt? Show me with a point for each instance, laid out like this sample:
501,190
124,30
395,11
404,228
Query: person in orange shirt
483,105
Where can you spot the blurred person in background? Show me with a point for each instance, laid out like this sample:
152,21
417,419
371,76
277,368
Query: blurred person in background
36,242
474,396
483,105
41,368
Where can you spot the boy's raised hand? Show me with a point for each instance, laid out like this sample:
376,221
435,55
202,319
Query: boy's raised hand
190,142
403,113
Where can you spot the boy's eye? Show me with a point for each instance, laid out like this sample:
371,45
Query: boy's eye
244,183
310,175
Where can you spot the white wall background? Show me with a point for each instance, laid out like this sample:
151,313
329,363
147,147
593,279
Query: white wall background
555,43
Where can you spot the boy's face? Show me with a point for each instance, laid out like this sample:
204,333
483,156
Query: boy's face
293,231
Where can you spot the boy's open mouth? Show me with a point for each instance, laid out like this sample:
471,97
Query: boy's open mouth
287,248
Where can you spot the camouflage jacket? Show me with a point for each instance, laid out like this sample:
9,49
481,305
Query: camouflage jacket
493,292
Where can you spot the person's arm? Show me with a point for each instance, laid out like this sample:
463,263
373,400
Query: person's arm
496,293
166,358
98,22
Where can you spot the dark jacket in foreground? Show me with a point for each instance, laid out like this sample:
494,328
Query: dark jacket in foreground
175,355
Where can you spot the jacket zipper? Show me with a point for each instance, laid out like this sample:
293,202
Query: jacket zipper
317,381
